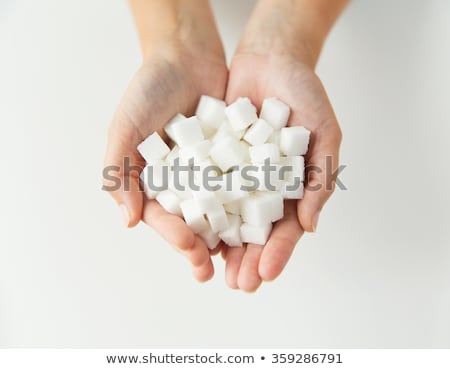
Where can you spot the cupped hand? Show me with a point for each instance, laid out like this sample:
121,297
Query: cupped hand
259,75
170,81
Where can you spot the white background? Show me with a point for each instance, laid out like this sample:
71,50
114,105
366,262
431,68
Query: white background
377,273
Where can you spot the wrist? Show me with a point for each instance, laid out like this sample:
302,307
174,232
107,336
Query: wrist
297,29
172,27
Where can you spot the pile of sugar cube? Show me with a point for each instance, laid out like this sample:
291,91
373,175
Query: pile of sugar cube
225,171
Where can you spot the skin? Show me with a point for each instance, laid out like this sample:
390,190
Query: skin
183,58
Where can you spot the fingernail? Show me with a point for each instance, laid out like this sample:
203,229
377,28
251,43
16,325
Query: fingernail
125,214
315,220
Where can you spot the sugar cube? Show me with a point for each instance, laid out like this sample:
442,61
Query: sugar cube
275,112
153,148
170,202
245,149
227,153
172,155
293,190
268,176
232,234
211,111
231,187
193,216
206,200
154,178
277,204
257,209
180,185
217,219
187,132
233,207
206,171
258,133
294,140
210,237
257,235
294,167
170,123
226,131
274,138
198,151
259,153
241,114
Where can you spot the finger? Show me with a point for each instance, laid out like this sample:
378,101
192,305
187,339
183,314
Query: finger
280,245
203,272
171,227
224,251
322,165
240,85
232,265
199,253
248,277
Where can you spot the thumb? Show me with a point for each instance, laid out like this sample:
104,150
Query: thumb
321,174
122,168
142,111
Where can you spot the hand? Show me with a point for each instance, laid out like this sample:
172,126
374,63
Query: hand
171,80
290,77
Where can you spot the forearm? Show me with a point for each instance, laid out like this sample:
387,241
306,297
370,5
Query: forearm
187,23
286,25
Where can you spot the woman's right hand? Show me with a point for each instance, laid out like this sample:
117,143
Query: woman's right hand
171,80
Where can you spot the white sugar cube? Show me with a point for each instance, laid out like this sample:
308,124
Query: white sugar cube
232,234
259,153
172,155
206,171
274,138
227,153
231,187
258,133
233,207
222,133
153,148
245,149
293,190
211,111
208,131
180,186
257,209
170,123
294,168
193,216
275,112
210,237
170,202
206,200
277,204
255,234
226,131
198,151
155,178
187,132
294,140
241,114
217,219
268,177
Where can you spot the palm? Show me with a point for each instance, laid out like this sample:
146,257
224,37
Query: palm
258,77
159,90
